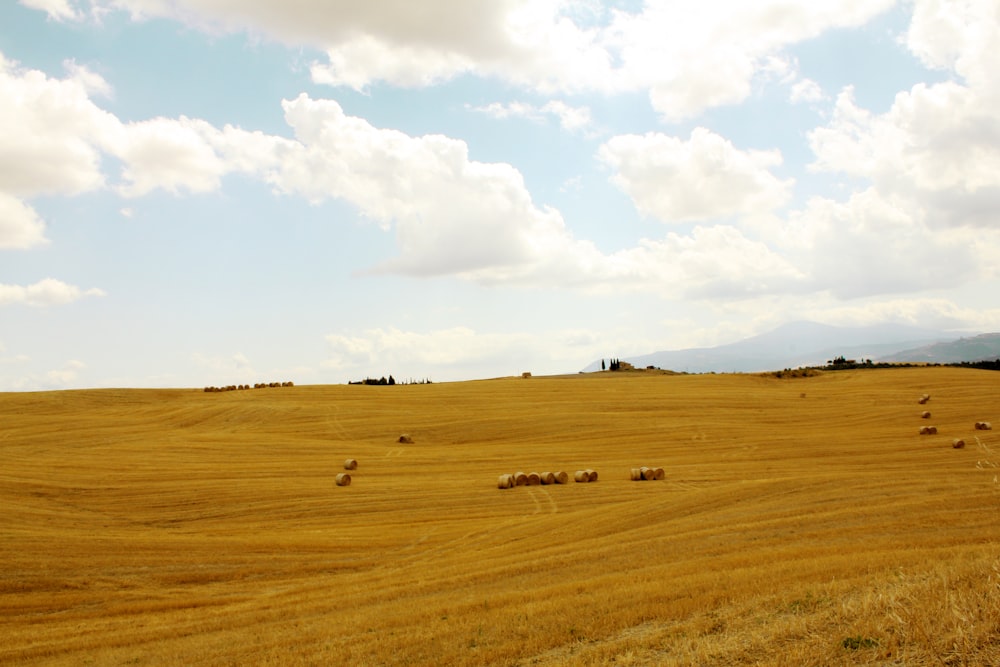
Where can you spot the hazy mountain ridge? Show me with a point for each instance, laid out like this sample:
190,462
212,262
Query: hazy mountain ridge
984,347
806,343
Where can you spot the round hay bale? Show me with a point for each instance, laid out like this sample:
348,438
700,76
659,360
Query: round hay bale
505,481
958,443
932,430
591,475
925,414
647,473
520,479
658,473
547,478
924,399
561,477
343,479
406,439
351,464
534,479
581,476
984,426
635,474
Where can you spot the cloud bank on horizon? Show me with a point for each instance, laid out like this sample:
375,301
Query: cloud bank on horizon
204,192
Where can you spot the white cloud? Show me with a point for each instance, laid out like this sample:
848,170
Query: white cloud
56,9
47,292
50,131
938,146
927,312
703,178
806,90
65,376
20,226
710,262
570,118
174,155
451,214
544,45
871,244
959,36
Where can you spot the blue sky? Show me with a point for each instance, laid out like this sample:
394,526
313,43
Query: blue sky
192,194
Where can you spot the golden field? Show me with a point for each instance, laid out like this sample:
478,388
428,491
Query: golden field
802,521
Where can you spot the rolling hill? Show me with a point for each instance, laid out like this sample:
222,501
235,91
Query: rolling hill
801,521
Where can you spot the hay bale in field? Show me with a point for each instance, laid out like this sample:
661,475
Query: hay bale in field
547,478
591,475
928,430
648,474
505,481
924,399
659,473
635,474
343,479
351,464
561,477
958,443
984,426
534,479
581,476
925,414
406,439
520,479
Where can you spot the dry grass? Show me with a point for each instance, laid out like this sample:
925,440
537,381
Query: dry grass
801,521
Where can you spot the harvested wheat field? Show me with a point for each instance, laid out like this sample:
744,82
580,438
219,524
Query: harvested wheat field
800,521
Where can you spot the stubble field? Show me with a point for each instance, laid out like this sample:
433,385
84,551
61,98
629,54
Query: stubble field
802,521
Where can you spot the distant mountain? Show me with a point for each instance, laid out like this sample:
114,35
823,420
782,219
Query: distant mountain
984,347
792,345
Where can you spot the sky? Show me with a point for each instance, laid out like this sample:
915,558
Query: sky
209,192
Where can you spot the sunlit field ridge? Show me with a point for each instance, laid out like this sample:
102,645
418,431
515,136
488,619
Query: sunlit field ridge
801,521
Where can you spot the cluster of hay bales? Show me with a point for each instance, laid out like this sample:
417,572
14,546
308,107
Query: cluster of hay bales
646,474
956,443
587,475
509,481
343,478
241,387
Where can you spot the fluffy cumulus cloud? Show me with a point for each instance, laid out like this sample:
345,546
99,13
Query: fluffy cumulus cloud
545,45
939,144
20,226
47,292
51,131
52,136
702,178
871,244
451,214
